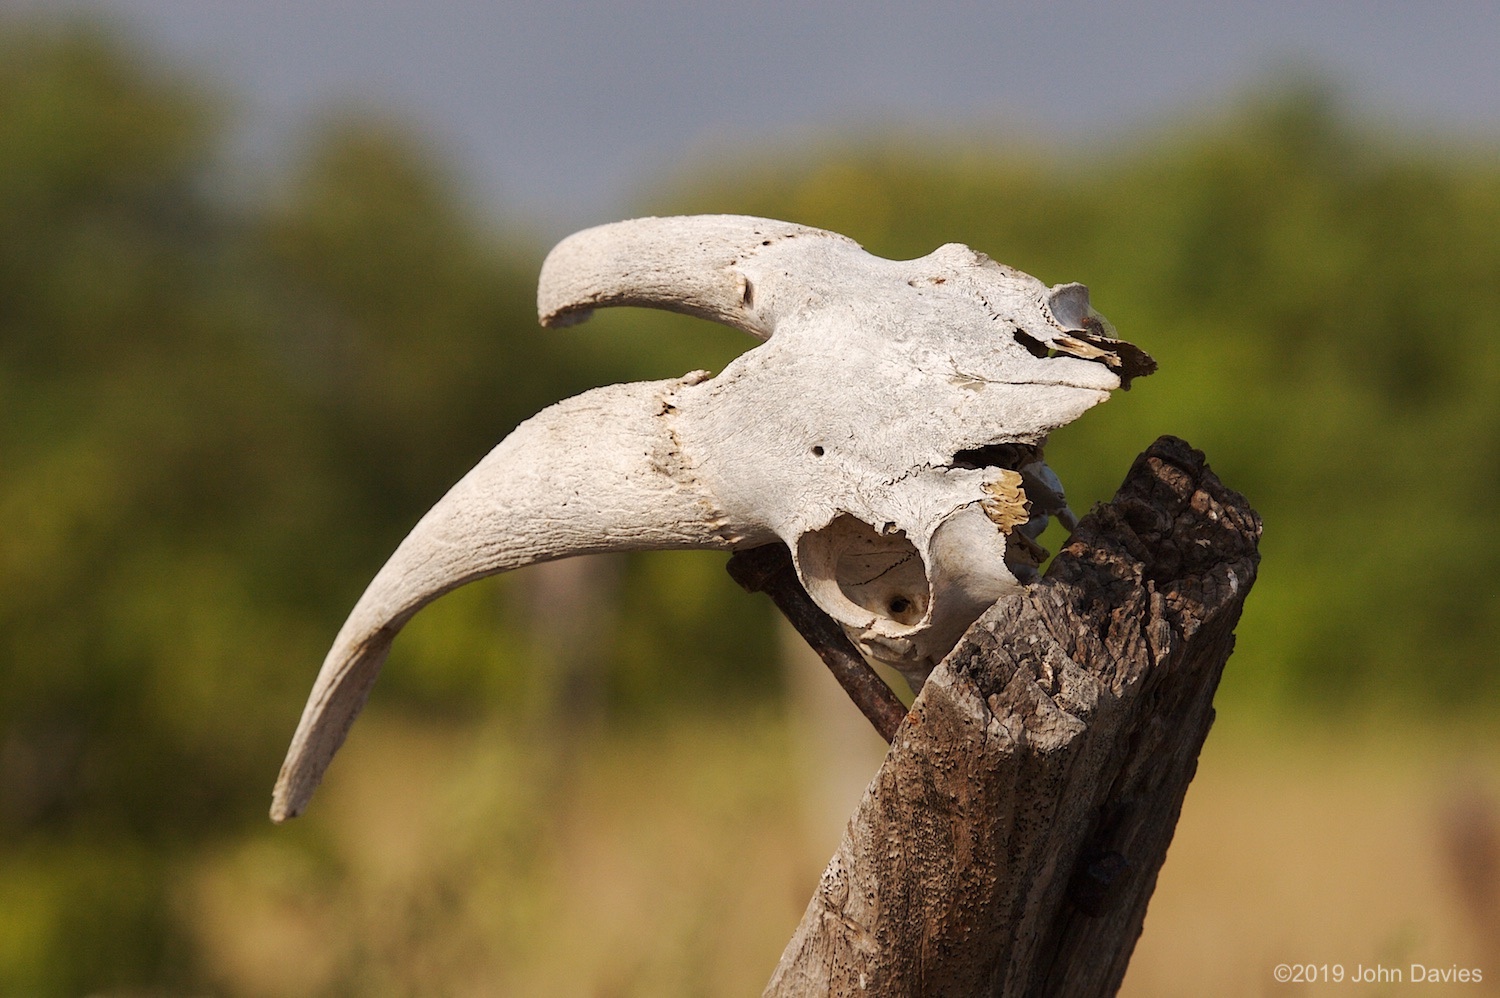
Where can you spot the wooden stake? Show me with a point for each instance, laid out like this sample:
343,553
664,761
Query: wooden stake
1011,840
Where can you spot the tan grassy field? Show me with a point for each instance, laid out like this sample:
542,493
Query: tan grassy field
677,861
1330,849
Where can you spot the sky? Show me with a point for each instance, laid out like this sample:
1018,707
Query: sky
561,113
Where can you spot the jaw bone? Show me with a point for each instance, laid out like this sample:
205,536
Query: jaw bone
866,434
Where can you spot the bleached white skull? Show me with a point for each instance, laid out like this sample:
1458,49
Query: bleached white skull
888,431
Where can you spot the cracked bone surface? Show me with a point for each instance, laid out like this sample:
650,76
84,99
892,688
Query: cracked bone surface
887,432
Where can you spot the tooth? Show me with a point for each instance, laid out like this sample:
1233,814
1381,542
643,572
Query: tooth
1006,504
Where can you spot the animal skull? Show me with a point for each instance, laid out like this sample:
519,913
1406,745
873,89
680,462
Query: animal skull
888,431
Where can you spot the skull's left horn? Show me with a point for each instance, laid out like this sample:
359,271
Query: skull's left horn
595,473
700,265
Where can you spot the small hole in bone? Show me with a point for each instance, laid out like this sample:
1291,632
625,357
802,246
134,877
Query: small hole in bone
817,450
900,605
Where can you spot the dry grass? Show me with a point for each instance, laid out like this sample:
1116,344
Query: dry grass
482,862
1326,849
487,862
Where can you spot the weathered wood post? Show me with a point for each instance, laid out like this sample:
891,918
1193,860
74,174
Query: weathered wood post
1011,840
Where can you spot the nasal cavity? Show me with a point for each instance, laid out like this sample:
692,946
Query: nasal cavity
1002,455
1034,346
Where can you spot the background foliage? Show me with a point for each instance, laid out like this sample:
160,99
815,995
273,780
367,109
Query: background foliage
224,399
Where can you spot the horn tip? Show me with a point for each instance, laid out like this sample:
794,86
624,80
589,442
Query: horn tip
563,317
287,802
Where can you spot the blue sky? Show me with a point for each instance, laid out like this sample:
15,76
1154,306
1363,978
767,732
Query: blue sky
559,113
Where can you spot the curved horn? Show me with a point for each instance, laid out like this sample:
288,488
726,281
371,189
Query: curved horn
598,472
682,264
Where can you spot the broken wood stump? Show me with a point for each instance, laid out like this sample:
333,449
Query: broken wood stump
1012,837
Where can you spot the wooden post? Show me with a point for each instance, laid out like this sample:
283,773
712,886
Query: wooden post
1011,840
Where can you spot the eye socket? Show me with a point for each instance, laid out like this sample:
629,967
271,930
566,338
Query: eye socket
854,570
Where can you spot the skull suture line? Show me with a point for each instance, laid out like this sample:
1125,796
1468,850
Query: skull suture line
888,431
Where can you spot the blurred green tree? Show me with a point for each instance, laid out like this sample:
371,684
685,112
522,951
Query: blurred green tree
220,415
